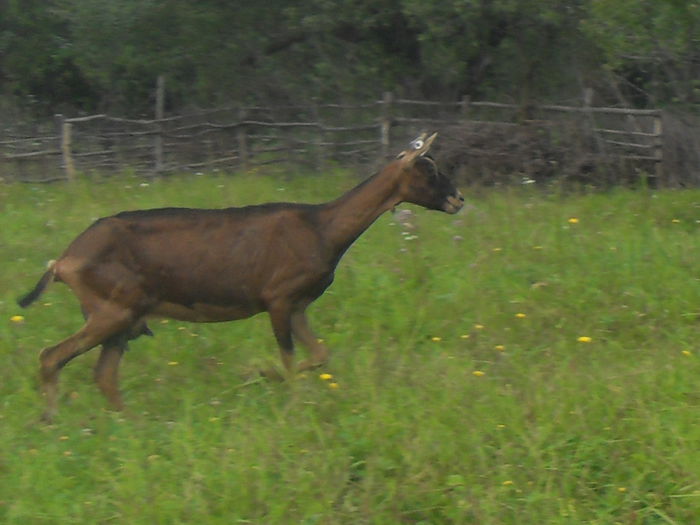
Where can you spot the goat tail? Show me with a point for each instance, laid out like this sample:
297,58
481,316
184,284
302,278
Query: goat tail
44,281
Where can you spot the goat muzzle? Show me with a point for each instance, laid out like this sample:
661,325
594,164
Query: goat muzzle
454,203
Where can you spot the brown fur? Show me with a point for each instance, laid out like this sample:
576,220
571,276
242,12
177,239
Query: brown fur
220,265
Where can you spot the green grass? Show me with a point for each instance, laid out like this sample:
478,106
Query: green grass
550,431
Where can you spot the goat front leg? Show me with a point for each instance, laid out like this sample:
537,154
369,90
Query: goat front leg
280,317
302,332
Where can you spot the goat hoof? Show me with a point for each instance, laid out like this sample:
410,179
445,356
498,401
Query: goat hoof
47,418
272,374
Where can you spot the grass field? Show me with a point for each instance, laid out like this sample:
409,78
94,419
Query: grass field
533,360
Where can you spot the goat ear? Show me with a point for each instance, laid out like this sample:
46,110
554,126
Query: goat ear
419,147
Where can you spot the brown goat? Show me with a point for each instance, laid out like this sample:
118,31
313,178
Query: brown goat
210,265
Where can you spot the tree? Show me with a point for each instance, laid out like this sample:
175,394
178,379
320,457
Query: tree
649,48
37,65
106,54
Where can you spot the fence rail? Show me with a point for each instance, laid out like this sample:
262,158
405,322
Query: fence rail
312,135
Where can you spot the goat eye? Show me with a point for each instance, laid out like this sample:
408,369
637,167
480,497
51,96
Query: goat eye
417,144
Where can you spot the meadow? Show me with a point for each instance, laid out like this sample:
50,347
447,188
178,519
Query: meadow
532,360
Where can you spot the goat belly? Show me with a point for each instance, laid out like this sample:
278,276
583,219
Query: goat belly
203,313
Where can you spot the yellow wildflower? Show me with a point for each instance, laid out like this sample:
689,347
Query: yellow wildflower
17,318
573,220
479,373
521,315
478,326
585,339
675,221
436,339
507,482
686,352
326,377
333,385
500,348
464,336
173,363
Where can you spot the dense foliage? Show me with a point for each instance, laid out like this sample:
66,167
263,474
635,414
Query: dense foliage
106,54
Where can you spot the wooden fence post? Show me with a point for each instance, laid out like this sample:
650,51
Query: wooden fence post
242,140
320,157
160,107
65,131
659,147
588,94
464,107
385,137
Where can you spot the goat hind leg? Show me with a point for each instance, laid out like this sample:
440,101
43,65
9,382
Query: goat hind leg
107,370
52,359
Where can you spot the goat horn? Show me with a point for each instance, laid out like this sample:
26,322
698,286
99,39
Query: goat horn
418,147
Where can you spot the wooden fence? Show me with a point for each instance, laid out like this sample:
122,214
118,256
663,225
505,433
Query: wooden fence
241,138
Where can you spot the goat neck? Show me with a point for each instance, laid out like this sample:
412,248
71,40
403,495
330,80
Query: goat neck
345,218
